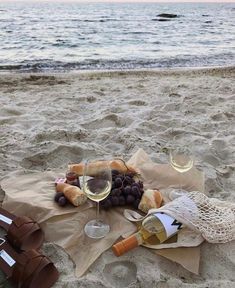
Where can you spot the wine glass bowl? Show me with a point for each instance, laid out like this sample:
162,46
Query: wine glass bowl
181,158
97,183
97,188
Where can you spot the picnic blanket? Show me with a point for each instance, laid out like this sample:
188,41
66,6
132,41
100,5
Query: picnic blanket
31,193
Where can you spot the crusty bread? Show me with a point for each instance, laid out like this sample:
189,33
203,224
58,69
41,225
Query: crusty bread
74,194
150,199
96,167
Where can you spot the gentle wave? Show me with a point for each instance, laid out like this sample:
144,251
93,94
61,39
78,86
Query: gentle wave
42,65
53,36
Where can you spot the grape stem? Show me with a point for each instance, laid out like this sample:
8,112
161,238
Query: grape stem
128,170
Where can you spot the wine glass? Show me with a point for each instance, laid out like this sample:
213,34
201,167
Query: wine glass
181,158
97,183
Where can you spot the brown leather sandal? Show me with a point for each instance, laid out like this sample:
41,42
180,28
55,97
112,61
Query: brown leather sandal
22,232
27,269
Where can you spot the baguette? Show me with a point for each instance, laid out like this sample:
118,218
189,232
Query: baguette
96,167
74,194
150,199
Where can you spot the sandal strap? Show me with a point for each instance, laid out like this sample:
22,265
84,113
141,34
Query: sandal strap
30,270
21,229
30,275
27,267
42,263
22,232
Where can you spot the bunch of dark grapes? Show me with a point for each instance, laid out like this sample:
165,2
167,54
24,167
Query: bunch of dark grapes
125,191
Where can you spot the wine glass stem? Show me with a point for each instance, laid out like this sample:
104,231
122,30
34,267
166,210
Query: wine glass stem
181,180
97,211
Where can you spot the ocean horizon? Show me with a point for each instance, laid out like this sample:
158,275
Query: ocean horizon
43,37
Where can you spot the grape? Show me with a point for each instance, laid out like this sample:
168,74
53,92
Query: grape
129,180
118,182
114,200
130,199
141,184
102,203
131,174
113,192
107,204
122,201
119,192
136,203
127,190
141,191
115,172
135,185
58,195
116,192
62,201
135,191
123,177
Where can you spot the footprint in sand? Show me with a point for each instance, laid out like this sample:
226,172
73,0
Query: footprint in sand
120,274
57,157
175,95
110,120
137,103
100,93
91,99
7,121
58,134
12,112
38,80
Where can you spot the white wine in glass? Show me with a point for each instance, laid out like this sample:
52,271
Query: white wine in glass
97,189
97,183
181,159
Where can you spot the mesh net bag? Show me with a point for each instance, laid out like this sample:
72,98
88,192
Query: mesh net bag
214,219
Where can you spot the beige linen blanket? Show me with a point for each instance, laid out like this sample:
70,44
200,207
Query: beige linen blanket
32,193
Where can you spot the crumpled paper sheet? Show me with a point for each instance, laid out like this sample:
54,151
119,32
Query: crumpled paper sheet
32,194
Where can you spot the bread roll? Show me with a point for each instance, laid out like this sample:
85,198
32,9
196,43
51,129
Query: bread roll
150,199
74,194
95,167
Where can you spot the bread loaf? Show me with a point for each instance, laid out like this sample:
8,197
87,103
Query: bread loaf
95,167
150,199
74,194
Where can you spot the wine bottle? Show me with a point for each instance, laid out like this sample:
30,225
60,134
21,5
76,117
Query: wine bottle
161,225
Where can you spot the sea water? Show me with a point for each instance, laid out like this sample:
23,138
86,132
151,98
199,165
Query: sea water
76,36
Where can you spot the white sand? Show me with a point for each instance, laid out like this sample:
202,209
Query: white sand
47,121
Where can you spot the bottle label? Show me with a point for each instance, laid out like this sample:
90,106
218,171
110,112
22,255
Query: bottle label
171,225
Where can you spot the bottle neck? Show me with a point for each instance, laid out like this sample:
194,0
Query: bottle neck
131,242
143,235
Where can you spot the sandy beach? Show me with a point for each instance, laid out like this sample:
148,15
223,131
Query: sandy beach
50,120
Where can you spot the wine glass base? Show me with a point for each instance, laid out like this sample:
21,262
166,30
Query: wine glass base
96,229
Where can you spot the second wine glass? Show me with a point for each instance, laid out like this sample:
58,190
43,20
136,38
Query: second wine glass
181,159
97,183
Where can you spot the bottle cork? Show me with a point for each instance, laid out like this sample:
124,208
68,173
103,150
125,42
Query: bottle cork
125,245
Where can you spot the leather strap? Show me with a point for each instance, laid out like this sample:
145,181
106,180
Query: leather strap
25,269
23,233
31,269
